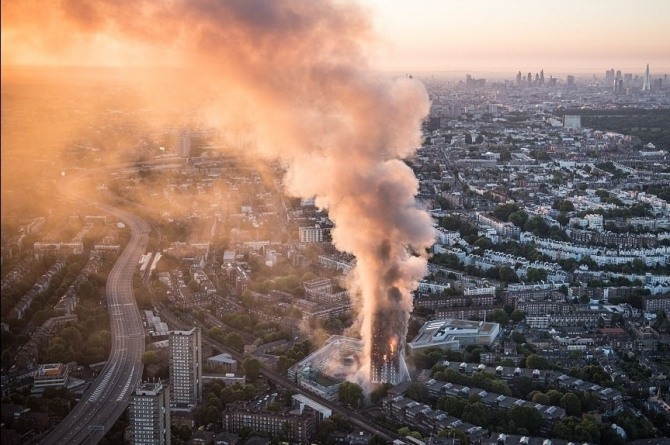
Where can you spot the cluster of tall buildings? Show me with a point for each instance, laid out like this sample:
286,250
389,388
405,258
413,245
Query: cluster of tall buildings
471,83
621,82
529,81
151,402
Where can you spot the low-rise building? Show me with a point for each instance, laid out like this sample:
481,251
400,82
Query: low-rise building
224,363
295,426
51,375
454,334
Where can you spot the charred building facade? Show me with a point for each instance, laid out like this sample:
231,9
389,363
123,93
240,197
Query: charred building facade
387,348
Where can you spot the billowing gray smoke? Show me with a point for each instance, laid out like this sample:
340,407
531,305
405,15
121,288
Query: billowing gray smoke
296,70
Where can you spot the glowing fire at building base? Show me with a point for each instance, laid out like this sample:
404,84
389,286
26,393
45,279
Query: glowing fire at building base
387,351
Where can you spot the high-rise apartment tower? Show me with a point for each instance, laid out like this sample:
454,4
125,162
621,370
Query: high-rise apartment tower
149,415
185,369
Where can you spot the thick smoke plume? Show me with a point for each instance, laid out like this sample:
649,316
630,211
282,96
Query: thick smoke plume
295,73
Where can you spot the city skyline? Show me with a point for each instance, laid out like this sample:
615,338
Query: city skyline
231,220
428,36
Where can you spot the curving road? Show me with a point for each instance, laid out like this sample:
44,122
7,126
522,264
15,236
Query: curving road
108,396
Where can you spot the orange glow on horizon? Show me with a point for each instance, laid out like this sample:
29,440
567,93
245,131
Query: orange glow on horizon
429,35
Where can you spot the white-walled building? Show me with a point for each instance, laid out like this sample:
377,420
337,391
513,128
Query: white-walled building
453,334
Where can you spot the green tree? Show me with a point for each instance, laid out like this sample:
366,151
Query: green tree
542,398
504,211
518,218
508,275
404,431
150,358
233,340
570,402
563,205
72,335
518,337
86,289
217,334
535,275
500,387
535,361
455,434
180,433
251,368
452,405
554,397
530,418
418,391
350,394
324,432
499,316
517,315
476,413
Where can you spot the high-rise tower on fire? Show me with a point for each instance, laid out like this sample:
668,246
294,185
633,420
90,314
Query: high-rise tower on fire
387,348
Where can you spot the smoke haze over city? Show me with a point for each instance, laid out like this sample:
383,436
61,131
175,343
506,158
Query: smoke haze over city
298,71
430,222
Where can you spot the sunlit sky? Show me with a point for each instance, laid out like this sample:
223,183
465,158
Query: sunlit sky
477,36
580,36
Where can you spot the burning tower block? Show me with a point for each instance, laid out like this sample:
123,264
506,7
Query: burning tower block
387,349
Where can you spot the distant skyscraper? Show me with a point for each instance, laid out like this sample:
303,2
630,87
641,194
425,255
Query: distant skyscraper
185,145
646,83
434,123
185,368
618,86
570,80
149,415
529,79
518,79
541,77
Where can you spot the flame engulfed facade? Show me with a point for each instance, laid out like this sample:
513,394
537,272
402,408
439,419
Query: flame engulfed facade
387,349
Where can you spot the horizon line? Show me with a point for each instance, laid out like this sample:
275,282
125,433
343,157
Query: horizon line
452,71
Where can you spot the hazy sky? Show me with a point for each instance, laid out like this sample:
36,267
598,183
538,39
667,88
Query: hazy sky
496,35
561,36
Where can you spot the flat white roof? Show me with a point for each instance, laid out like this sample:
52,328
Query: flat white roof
312,404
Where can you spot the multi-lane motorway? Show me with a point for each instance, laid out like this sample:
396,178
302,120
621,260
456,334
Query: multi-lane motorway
108,396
